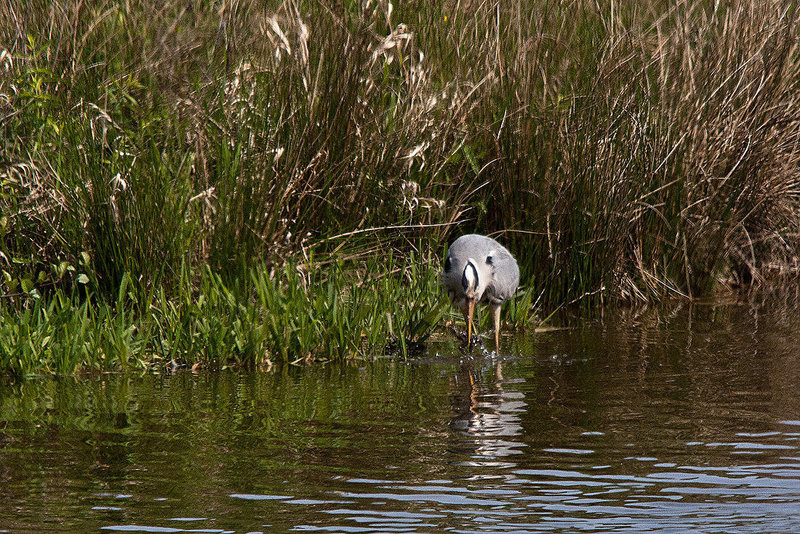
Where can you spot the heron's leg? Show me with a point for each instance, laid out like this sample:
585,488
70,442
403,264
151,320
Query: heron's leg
496,315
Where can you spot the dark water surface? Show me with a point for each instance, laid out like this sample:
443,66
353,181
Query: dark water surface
679,419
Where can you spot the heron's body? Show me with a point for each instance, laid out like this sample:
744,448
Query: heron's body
478,269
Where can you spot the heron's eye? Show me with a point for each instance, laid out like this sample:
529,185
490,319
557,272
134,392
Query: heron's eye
447,265
489,260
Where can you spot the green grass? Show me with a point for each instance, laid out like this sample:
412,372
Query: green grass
624,151
292,314
297,313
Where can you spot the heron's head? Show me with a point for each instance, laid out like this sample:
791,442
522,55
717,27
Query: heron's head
473,280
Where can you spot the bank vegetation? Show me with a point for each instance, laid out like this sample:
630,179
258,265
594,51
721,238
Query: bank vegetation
256,181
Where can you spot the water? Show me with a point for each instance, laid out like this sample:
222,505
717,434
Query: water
676,419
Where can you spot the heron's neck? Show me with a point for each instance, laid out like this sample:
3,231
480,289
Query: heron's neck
470,280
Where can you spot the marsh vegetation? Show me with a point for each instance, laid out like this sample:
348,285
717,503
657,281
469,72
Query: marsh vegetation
246,181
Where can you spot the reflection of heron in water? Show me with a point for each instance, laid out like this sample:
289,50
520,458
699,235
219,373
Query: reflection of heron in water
487,413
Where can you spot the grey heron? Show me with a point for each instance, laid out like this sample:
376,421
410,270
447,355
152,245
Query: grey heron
479,269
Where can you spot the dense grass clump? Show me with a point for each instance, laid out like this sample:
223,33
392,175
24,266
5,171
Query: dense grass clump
624,150
292,314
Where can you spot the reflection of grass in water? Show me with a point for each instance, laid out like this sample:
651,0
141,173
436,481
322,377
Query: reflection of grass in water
628,151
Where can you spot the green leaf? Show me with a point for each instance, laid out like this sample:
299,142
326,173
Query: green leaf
473,162
83,279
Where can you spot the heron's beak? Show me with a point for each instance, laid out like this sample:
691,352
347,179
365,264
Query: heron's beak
470,312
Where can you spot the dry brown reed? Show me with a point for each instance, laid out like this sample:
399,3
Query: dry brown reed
625,150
